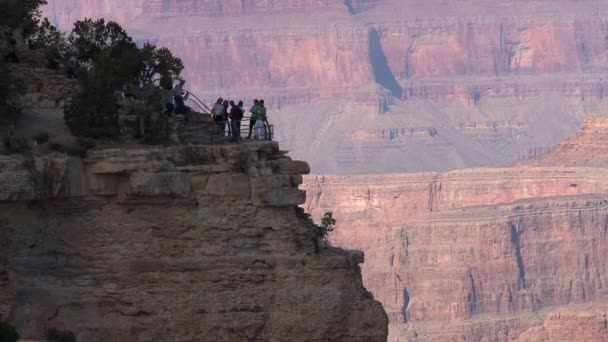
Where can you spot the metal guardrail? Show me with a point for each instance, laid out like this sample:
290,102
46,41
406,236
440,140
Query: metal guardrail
245,122
193,98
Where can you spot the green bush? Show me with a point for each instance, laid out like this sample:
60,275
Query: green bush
107,46
327,226
90,38
54,335
319,233
9,89
23,14
8,333
156,129
46,35
110,58
94,113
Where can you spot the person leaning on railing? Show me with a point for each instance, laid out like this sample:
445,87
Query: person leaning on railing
262,115
254,116
261,132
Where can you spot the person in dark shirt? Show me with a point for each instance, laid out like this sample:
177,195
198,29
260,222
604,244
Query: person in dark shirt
236,115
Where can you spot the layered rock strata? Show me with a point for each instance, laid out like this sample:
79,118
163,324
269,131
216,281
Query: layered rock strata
483,254
493,79
184,243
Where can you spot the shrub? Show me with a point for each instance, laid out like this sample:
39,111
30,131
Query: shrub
94,113
156,129
158,65
90,38
54,335
47,35
107,46
23,14
8,333
327,226
111,60
319,233
9,89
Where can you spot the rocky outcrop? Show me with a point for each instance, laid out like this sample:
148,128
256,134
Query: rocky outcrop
489,253
182,243
587,147
527,70
42,87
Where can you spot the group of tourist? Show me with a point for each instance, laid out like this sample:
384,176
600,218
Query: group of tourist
228,115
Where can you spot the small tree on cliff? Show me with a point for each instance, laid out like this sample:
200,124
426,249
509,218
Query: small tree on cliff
319,233
158,64
90,38
47,35
21,14
108,59
327,225
97,41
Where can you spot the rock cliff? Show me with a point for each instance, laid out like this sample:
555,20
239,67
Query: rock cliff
492,79
181,243
496,254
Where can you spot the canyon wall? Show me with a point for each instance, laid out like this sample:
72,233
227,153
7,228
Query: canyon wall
345,79
483,254
182,243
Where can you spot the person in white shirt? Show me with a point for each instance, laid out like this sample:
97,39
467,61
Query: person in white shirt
218,115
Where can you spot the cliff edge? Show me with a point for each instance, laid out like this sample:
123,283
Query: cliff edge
181,243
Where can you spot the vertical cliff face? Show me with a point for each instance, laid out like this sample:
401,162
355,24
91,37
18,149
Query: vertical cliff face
182,243
492,79
497,253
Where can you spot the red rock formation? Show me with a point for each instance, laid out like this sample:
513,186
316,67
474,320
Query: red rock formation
359,65
492,253
587,147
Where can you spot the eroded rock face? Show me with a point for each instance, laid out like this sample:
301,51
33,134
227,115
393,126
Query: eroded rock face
176,244
356,86
483,254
